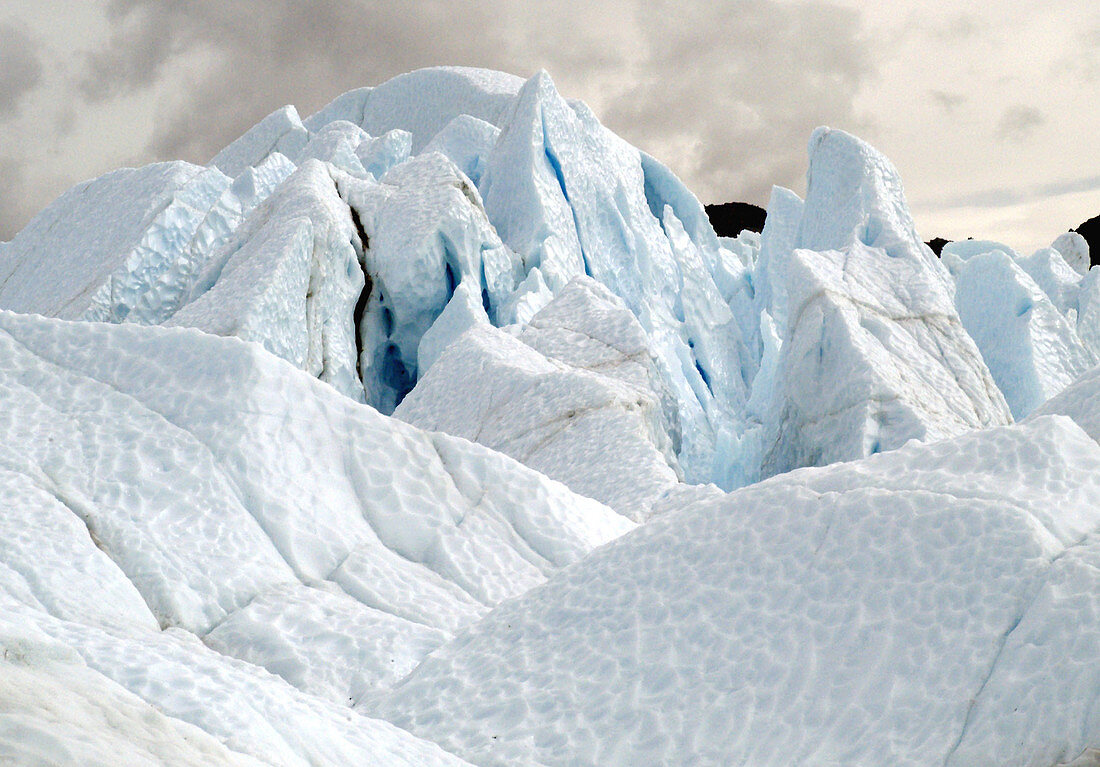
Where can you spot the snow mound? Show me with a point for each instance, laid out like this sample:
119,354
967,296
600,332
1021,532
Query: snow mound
925,606
186,687
60,714
170,479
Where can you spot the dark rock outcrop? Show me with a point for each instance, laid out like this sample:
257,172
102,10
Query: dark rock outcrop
729,219
1090,230
936,244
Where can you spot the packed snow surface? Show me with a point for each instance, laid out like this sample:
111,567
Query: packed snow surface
925,606
219,548
174,486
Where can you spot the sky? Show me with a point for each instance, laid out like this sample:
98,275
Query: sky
990,111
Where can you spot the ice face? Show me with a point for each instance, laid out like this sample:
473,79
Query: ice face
1032,350
289,279
427,234
281,131
797,621
586,411
454,177
873,352
75,246
1074,249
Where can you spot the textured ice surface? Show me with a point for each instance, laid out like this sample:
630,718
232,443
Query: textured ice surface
467,142
1031,349
1057,279
281,131
61,713
889,611
242,706
588,417
462,312
1074,249
873,353
1080,401
289,278
166,477
70,250
427,234
1088,311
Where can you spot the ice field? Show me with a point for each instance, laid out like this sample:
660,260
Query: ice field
440,428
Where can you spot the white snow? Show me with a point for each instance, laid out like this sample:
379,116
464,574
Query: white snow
1080,401
873,353
61,713
884,612
583,411
167,477
1032,350
217,549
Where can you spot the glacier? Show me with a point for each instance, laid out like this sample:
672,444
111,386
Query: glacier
439,427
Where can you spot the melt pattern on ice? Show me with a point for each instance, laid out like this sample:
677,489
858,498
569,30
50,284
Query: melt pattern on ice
218,546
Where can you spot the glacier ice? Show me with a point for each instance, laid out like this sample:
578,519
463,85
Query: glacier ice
427,233
289,279
887,611
338,241
1074,249
97,231
227,552
873,353
575,397
1032,350
281,131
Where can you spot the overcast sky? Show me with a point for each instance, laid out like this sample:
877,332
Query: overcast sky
990,110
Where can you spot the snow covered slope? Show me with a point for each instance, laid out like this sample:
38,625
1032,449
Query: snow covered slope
1080,401
925,606
169,486
218,547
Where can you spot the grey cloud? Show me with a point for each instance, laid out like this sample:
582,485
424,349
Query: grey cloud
946,100
727,93
959,27
1019,122
20,68
742,86
292,52
13,196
